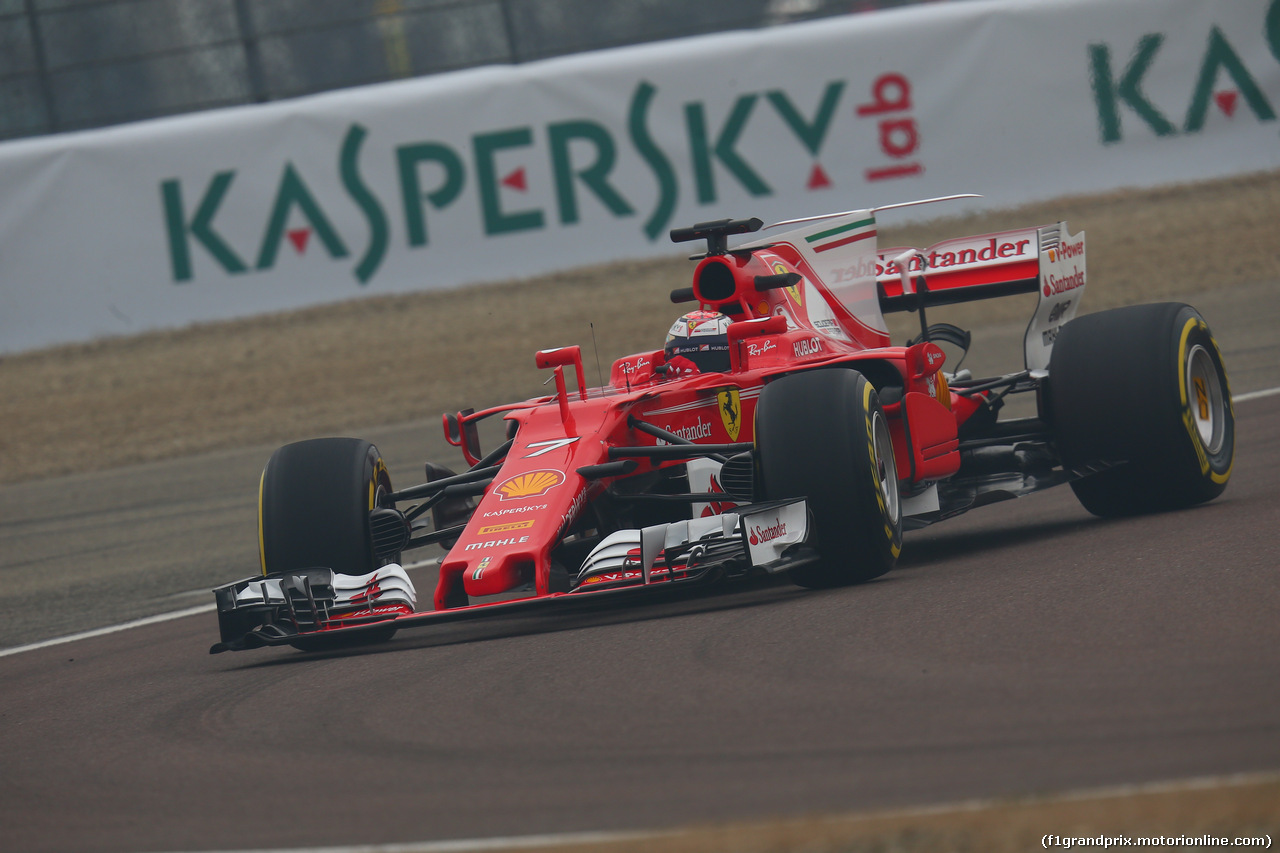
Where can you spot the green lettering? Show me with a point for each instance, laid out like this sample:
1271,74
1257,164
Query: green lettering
485,147
1107,92
668,187
294,193
809,133
366,201
1219,56
409,157
1273,29
561,136
723,149
201,227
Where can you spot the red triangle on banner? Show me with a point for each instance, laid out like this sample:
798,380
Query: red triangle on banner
818,179
298,237
516,180
1226,102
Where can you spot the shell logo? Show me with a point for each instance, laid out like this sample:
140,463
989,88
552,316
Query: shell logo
531,484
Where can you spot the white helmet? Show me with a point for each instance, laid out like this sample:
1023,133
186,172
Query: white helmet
701,337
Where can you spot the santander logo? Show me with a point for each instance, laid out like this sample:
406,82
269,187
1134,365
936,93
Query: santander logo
759,535
1054,284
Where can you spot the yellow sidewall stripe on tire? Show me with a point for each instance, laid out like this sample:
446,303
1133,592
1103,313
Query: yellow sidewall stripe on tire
894,547
1201,451
262,550
1230,407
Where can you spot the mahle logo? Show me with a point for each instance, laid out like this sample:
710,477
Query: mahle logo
1114,89
582,154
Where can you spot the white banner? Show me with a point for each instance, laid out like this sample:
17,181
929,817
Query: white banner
516,171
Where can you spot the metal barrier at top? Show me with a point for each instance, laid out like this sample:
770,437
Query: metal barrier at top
75,64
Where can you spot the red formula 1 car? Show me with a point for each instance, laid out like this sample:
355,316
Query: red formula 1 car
777,431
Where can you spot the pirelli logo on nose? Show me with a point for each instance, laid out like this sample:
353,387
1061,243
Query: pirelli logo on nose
504,528
532,484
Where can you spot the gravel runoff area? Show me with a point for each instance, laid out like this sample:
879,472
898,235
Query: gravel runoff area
342,369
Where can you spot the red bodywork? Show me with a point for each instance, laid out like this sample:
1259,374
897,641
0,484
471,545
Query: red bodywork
538,494
584,499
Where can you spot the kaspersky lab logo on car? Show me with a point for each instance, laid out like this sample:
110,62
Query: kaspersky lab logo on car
583,155
1115,87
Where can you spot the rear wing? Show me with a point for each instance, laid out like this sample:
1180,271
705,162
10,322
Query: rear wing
838,252
1048,260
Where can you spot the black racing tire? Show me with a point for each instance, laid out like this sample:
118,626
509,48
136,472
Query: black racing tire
822,435
313,510
1143,389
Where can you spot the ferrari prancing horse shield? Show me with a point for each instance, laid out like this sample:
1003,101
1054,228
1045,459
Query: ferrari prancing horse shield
730,412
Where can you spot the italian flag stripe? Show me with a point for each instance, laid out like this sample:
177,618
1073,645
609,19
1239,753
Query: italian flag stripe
839,229
835,244
842,235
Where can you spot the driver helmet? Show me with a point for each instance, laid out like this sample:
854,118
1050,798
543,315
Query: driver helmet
699,342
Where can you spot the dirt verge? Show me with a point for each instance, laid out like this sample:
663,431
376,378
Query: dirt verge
1204,812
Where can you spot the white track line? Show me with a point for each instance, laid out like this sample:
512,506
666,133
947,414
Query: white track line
208,608
1255,395
138,623
478,845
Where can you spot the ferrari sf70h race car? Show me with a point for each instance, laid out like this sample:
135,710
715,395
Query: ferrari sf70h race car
778,430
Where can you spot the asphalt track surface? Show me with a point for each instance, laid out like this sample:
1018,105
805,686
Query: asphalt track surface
1026,647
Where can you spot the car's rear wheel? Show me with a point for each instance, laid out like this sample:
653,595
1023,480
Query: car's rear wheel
1141,393
823,436
313,510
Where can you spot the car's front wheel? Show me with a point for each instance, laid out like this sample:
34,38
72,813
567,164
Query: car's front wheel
823,436
313,511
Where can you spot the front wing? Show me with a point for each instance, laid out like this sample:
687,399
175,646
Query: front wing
317,603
